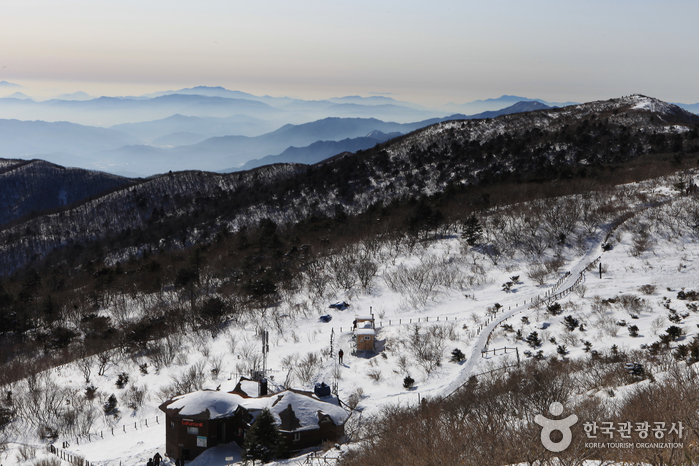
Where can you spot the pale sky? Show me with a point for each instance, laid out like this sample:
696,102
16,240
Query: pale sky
426,52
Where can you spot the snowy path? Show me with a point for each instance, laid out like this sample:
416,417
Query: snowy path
481,343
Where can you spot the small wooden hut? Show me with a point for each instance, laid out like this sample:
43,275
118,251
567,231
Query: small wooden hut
365,333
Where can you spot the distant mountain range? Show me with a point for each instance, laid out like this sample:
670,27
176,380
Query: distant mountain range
216,129
182,142
163,132
177,209
480,106
18,95
31,138
694,108
321,150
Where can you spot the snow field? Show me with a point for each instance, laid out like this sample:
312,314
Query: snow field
300,344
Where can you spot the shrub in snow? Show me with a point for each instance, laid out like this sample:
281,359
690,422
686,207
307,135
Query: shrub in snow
134,397
48,461
571,323
90,392
457,355
408,382
674,317
374,374
110,407
538,273
562,350
554,309
533,340
122,380
674,332
633,330
636,370
688,295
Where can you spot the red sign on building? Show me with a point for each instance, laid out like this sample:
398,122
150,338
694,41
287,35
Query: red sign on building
187,422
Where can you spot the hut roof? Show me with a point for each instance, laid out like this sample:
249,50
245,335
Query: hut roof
204,404
209,404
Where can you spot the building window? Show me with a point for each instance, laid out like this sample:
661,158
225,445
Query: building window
172,425
193,430
297,436
367,338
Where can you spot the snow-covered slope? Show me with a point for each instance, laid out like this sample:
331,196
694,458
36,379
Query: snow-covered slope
649,262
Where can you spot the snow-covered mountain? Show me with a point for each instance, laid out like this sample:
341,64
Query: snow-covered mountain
541,145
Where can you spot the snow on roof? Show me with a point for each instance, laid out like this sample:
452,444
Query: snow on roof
218,404
364,317
227,385
222,404
365,331
305,408
250,388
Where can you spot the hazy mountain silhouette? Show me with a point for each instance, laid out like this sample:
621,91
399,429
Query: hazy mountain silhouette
203,127
30,138
319,150
504,101
108,111
80,95
18,95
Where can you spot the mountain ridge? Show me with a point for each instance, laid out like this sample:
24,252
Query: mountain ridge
447,156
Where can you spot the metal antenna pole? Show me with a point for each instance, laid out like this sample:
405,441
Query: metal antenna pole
265,350
332,334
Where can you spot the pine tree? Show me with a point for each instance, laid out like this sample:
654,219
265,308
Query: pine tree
263,441
472,231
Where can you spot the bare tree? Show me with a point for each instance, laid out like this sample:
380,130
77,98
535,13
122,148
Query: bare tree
366,270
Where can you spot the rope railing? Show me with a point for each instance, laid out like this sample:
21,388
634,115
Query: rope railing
504,350
67,456
399,321
535,302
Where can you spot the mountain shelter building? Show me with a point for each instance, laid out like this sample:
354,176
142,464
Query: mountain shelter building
207,418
